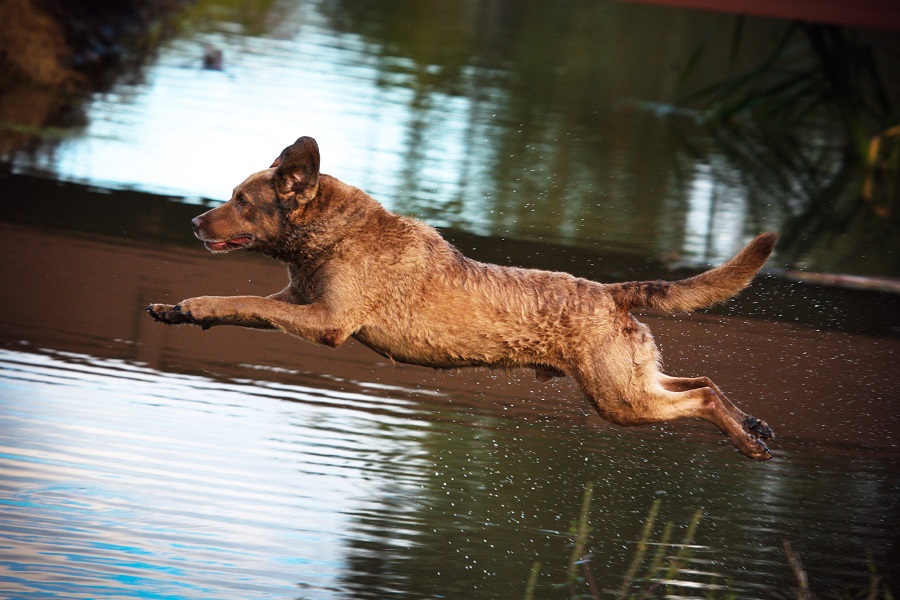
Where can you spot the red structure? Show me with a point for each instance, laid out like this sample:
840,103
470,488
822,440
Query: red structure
874,14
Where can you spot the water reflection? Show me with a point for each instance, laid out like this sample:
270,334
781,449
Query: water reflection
199,464
107,503
120,479
514,119
160,462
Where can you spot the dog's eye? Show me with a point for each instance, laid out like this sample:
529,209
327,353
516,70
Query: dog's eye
242,200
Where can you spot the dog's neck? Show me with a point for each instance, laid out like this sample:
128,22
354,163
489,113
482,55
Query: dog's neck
320,225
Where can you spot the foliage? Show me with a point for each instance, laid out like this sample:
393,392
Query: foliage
666,569
817,116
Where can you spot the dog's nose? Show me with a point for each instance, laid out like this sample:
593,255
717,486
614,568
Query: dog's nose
198,223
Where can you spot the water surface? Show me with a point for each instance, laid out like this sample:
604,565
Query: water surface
530,121
156,461
147,461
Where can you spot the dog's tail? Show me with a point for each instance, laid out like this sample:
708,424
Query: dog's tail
713,286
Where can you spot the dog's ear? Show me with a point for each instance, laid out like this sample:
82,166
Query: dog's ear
297,172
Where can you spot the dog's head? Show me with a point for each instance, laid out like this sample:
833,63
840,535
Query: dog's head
260,207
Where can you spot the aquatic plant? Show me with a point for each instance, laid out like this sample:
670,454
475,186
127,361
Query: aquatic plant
668,569
665,570
876,590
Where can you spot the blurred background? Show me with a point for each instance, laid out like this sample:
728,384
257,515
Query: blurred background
614,140
663,132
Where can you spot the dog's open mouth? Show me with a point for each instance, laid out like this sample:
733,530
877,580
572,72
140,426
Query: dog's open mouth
234,243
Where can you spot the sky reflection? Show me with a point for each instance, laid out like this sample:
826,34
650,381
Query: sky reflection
418,148
560,124
91,493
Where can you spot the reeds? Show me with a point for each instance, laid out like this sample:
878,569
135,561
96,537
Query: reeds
660,568
876,590
642,578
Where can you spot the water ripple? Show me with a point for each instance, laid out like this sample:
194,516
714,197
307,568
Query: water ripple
118,480
115,480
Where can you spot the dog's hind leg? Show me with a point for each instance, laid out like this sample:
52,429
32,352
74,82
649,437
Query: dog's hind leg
700,398
644,396
751,424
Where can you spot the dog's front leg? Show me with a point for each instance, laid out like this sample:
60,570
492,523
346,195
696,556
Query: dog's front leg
314,322
205,311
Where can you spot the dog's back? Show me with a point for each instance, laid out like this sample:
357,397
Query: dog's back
460,312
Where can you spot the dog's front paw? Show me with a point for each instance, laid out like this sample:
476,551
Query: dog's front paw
168,314
190,312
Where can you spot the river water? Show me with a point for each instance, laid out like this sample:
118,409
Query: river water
157,462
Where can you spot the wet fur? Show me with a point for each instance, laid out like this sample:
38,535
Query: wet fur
393,283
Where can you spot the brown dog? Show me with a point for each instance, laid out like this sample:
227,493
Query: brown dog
398,287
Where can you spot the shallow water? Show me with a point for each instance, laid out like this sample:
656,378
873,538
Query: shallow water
143,460
147,461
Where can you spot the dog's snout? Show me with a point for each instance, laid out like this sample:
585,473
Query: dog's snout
198,223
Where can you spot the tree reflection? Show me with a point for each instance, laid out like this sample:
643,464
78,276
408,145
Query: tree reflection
813,126
559,142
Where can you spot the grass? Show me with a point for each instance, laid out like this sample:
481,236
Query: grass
660,568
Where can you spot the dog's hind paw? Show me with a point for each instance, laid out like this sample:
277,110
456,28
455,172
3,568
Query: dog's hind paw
753,445
759,428
760,451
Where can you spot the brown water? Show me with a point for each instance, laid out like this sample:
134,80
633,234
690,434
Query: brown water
144,461
141,460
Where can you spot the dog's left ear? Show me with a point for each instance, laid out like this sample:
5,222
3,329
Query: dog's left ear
297,172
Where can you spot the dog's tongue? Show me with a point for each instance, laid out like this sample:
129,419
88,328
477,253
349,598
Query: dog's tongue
232,243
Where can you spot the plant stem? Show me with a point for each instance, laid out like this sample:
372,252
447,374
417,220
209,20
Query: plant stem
532,580
641,550
581,533
799,573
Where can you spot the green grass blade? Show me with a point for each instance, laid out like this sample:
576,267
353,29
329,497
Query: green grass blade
532,580
641,550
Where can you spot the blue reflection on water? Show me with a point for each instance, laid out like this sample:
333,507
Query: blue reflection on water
99,469
121,480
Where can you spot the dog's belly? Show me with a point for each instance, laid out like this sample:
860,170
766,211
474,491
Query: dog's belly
423,350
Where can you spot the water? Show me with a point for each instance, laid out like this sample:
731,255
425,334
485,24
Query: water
144,461
169,462
524,121
124,480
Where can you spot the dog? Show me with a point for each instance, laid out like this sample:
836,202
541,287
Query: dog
395,285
